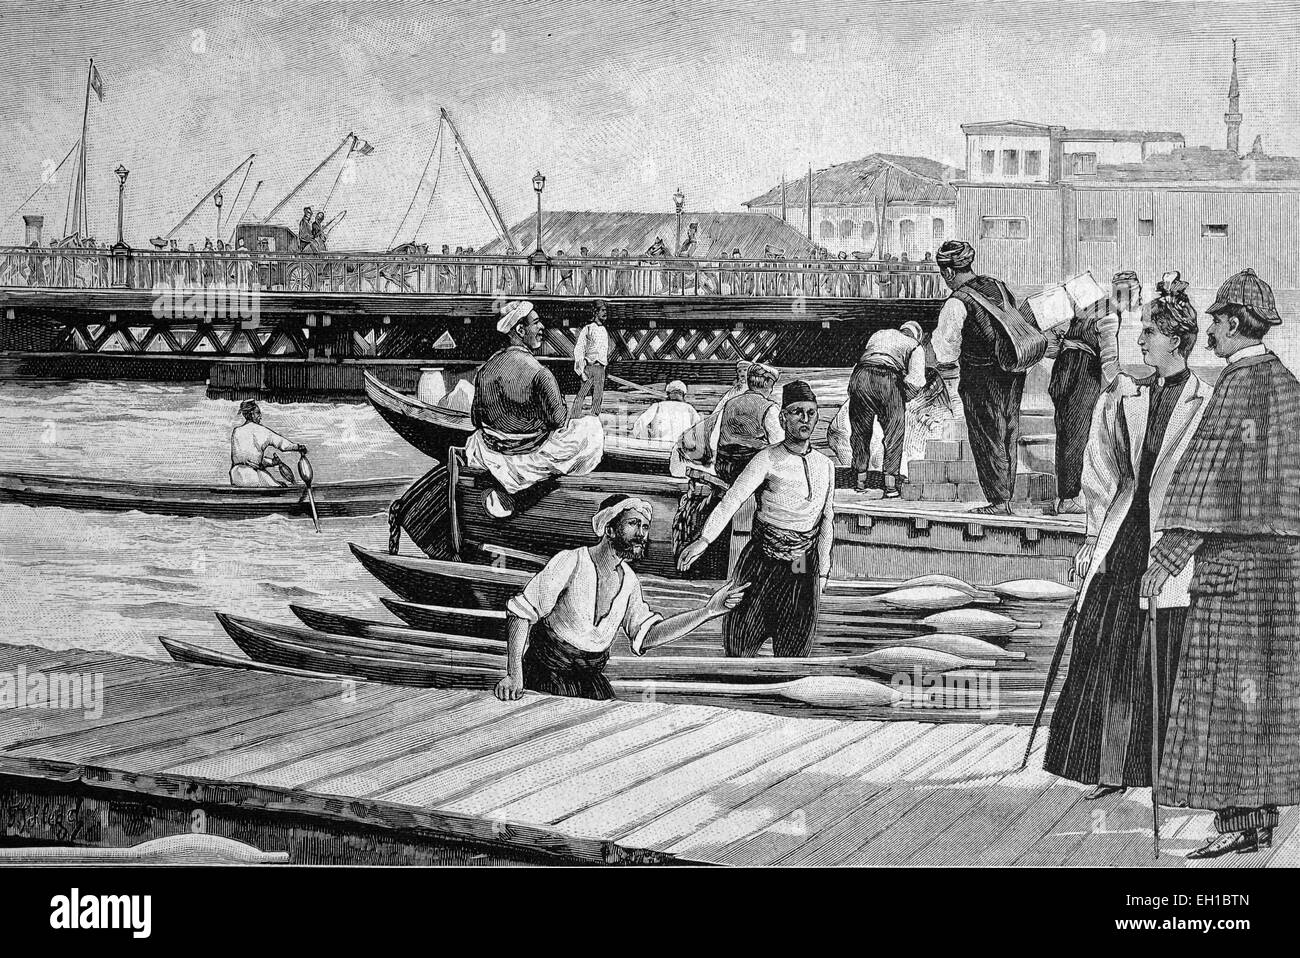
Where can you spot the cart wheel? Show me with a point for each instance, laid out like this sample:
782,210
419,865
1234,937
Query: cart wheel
301,277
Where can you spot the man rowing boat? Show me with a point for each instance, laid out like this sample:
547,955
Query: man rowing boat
249,444
523,430
577,603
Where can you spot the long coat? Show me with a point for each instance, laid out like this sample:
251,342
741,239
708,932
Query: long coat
1110,466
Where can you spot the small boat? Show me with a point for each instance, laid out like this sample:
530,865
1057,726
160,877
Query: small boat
483,623
433,429
363,497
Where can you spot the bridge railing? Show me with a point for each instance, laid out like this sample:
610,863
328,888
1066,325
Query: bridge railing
359,272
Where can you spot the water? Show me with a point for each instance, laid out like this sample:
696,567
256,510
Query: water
115,581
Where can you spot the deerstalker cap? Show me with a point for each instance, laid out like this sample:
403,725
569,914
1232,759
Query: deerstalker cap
1248,290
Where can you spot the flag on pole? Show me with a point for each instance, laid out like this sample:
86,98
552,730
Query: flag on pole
96,83
364,148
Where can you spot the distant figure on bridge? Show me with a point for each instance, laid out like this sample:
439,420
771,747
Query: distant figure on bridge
667,419
586,275
688,245
317,244
590,360
523,433
304,228
890,372
250,443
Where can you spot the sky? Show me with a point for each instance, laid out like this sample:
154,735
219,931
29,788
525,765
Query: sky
618,103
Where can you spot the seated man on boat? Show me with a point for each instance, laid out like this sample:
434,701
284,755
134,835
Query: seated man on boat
523,432
576,604
788,555
249,444
667,419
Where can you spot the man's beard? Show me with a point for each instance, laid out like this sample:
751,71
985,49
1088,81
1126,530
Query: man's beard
630,548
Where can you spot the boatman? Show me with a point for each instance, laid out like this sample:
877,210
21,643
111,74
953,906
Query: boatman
249,444
787,559
523,434
746,424
967,339
667,419
890,372
1233,513
574,607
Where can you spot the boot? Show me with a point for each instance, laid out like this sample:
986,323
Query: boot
994,509
1239,842
1101,791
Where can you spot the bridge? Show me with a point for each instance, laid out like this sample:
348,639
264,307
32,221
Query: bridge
117,310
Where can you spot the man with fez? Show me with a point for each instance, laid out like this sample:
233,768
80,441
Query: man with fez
1233,512
787,559
524,433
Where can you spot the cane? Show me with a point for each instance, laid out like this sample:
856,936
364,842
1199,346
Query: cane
1155,725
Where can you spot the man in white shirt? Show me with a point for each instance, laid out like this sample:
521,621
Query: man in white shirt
890,372
249,443
667,419
590,358
787,559
575,606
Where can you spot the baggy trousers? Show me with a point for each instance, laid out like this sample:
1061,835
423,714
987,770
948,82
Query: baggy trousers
991,400
877,393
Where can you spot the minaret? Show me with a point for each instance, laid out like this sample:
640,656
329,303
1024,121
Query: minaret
1233,116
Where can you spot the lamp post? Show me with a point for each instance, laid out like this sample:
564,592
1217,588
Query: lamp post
539,259
679,200
121,252
217,200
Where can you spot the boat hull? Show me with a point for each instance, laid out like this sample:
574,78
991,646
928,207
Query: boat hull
333,500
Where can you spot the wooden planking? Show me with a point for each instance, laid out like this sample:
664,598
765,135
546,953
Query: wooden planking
642,803
253,731
668,720
678,823
317,739
446,785
948,798
422,748
133,689
434,728
1029,814
757,829
847,812
564,798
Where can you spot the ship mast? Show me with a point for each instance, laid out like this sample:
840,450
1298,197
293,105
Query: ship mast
489,204
77,190
348,140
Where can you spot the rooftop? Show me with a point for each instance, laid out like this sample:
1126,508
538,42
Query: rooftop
898,179
1201,164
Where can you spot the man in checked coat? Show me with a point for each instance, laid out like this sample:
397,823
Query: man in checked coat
1233,510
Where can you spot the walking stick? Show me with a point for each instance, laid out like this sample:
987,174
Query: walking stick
1155,725
1072,617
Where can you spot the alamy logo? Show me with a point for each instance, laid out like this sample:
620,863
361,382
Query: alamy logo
182,300
75,911
21,689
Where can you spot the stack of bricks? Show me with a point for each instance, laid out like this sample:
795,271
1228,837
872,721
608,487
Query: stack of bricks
947,473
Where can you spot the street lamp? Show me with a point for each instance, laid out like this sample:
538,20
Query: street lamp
217,199
539,260
679,199
121,252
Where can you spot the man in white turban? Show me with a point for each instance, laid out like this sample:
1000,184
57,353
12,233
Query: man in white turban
667,419
524,433
561,626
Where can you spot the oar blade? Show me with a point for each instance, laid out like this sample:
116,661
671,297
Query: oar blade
1034,590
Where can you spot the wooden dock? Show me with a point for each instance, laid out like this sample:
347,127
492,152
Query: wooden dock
371,774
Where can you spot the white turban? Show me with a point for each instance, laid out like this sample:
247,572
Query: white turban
601,520
914,328
676,386
514,314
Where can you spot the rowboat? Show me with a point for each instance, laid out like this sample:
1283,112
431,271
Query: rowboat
433,429
363,497
406,648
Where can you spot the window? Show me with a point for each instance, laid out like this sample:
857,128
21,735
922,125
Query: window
937,231
847,229
868,232
1146,227
986,162
906,234
1083,163
1099,230
266,244
1004,227
1033,162
1010,162
1214,229
827,229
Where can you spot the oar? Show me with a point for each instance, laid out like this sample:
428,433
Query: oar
826,691
633,386
305,470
